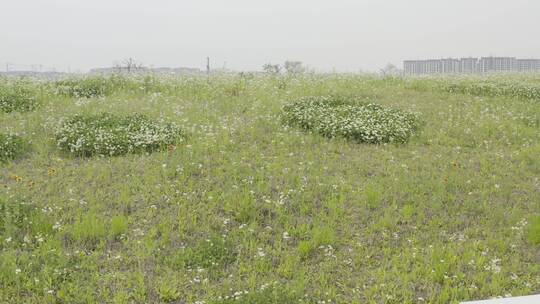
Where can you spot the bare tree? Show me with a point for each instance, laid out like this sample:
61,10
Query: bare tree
272,68
390,70
131,65
294,67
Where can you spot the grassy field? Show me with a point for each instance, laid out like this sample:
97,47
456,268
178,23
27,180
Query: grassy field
246,209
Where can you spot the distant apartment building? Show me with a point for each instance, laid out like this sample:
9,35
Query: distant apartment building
528,65
470,65
497,64
450,66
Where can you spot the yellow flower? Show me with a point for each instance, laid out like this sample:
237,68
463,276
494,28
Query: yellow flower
16,178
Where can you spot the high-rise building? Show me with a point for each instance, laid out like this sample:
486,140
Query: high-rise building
470,65
497,64
528,65
450,66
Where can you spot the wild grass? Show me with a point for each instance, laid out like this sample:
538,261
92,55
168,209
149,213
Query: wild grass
533,232
494,86
250,210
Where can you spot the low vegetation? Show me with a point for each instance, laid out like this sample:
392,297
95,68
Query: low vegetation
260,205
492,87
11,147
17,96
361,122
111,135
88,87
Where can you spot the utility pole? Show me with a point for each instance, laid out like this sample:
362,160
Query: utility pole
208,69
7,67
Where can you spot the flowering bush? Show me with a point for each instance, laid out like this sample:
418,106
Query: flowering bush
11,146
363,122
96,86
108,134
17,97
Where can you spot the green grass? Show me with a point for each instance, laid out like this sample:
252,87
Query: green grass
249,210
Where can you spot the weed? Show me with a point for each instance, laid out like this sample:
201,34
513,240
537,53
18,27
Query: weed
89,230
119,226
168,290
533,231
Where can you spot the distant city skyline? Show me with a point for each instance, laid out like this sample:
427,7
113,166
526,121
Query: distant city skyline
470,65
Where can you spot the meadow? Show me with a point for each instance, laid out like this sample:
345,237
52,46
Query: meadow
233,189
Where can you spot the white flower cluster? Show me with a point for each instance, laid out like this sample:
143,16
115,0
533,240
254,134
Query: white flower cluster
335,116
494,88
110,135
86,87
491,86
17,97
11,146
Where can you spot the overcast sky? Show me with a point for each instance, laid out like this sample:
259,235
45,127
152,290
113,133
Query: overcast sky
346,35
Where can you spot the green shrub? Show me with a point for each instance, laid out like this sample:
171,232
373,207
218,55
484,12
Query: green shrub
17,97
110,135
333,116
533,231
11,147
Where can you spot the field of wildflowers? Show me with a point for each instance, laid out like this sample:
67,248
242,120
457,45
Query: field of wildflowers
495,86
278,195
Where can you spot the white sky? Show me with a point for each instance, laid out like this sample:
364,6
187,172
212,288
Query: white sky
343,34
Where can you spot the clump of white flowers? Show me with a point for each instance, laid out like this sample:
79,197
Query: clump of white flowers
493,88
111,135
333,116
17,96
11,146
478,86
88,87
